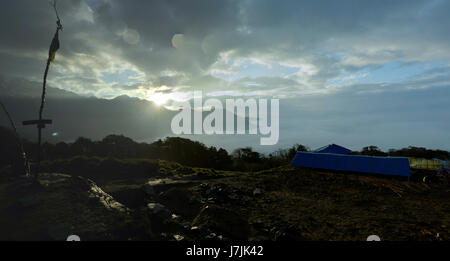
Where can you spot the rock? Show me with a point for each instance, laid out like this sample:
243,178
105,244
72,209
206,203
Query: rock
160,209
211,236
178,237
200,231
155,207
177,218
186,225
218,193
98,195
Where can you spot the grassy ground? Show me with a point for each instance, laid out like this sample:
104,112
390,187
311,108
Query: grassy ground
282,203
308,204
328,206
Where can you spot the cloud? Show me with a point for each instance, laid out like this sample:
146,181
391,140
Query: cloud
328,52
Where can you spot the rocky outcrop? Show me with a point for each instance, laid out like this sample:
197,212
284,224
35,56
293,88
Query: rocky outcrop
59,205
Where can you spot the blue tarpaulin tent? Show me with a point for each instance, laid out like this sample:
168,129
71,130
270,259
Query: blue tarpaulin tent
333,148
354,163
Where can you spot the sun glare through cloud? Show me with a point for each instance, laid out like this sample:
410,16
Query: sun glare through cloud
159,98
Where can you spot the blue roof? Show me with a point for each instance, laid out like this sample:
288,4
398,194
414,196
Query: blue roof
354,163
333,148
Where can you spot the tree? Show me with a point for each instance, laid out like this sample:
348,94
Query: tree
372,151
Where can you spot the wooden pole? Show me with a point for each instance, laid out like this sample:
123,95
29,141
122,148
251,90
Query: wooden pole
54,46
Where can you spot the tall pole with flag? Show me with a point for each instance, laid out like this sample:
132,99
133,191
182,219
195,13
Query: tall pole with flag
40,123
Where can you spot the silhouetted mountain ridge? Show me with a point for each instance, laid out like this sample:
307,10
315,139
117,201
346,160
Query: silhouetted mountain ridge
75,116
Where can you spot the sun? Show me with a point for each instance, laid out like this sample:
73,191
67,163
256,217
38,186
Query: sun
159,98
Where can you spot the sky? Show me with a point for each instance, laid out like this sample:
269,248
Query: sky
350,72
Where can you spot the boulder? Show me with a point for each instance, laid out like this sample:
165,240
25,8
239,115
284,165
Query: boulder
178,237
158,208
177,218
